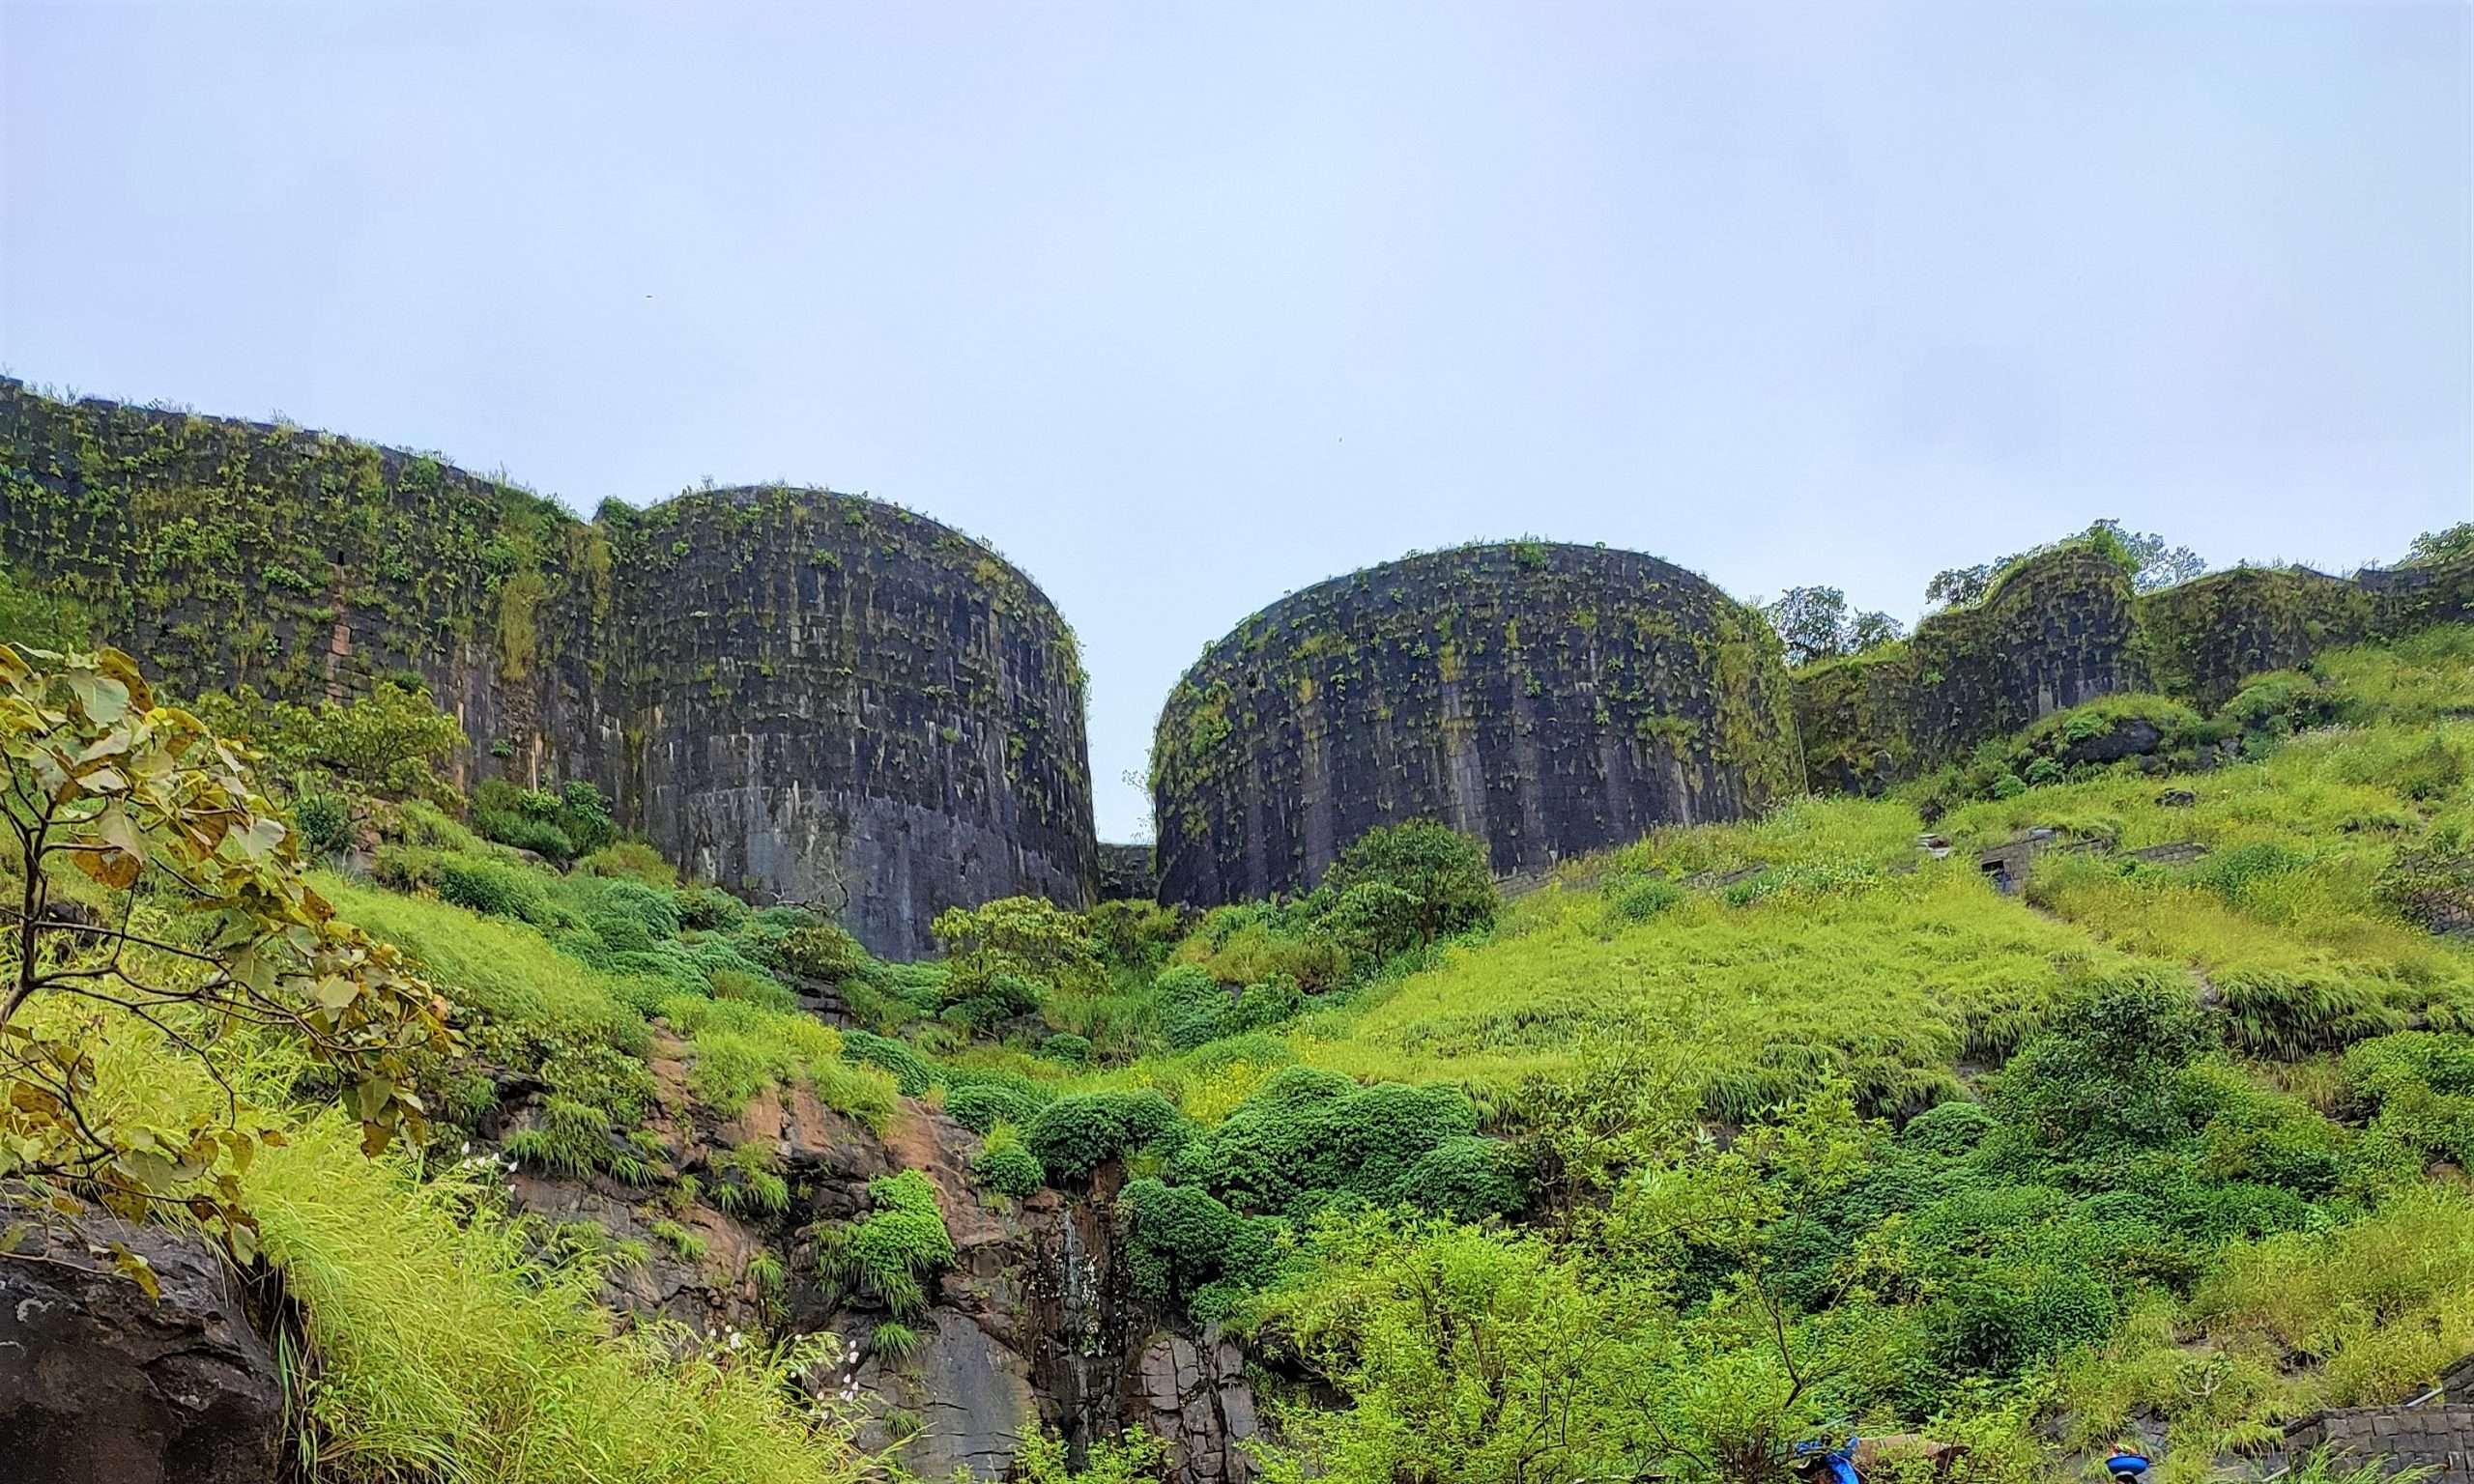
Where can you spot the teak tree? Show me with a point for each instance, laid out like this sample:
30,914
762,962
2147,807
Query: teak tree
146,801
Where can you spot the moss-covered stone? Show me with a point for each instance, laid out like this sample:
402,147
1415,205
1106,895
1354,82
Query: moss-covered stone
1546,698
798,694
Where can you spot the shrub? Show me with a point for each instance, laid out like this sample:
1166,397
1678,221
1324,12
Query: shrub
542,836
1948,1129
494,888
1465,1177
1191,1005
1373,919
981,1106
754,987
1006,1165
703,907
2102,1075
913,1074
1075,1135
1307,1135
889,1253
983,1002
1179,1240
1638,901
1444,872
821,951
630,860
1064,1046
325,822
654,908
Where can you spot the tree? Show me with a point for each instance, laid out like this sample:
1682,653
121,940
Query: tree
1815,623
206,924
1003,955
1467,1357
1812,622
2432,546
1873,629
2153,564
1444,872
2150,563
387,744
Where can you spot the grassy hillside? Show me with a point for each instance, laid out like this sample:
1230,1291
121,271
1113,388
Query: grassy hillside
1822,1133
1735,1137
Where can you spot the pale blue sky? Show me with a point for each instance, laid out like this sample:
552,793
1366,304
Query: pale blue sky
1185,306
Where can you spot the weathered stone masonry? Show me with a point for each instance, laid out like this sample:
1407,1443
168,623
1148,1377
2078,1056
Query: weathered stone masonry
2064,628
1546,698
799,694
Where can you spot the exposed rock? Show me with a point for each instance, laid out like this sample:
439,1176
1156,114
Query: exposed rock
1548,699
99,1384
2129,736
1197,1396
2177,798
2179,853
971,1394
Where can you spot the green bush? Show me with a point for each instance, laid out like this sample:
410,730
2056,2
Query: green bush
980,1106
1180,1241
1445,874
494,888
822,951
1005,1164
1065,1046
1307,1136
710,908
1639,901
985,1001
912,1073
324,823
1191,1005
630,860
1465,1177
890,1253
1075,1135
1373,919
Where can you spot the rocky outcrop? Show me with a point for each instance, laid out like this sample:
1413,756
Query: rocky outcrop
1546,698
101,1385
1194,1394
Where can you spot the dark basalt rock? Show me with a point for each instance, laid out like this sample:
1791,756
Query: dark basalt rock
802,696
99,1384
1548,699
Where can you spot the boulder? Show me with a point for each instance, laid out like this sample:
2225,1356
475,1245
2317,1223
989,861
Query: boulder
101,1385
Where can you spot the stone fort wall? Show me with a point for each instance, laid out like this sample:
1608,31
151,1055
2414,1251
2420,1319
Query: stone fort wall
1546,698
804,695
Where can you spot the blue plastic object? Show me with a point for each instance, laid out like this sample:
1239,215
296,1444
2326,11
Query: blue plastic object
2126,1466
1841,1458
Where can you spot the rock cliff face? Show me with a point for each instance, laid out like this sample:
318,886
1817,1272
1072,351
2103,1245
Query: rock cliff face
99,1382
2064,628
1546,698
802,695
1034,1327
845,703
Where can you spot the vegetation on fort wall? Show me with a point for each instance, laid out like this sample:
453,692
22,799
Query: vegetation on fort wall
231,550
1975,673
1386,693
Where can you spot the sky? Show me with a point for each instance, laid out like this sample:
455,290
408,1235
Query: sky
1184,306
